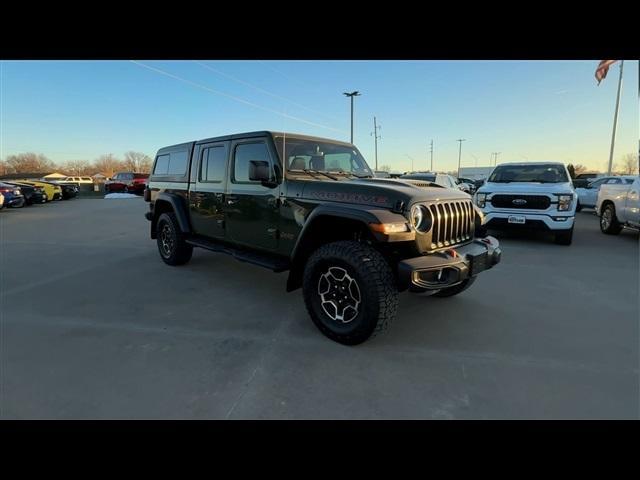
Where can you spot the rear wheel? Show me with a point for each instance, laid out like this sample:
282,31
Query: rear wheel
171,244
609,222
349,291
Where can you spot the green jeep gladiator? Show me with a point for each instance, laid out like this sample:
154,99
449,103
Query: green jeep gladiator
312,206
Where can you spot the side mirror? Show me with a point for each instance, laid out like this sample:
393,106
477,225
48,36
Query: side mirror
259,172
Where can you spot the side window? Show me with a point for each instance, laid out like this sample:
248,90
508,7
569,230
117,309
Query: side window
213,164
162,165
244,153
613,181
177,163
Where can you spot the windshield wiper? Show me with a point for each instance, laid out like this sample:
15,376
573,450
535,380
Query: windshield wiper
351,173
321,173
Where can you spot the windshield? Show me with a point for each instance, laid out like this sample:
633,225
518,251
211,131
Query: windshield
529,173
311,155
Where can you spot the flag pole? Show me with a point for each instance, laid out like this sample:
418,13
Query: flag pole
615,119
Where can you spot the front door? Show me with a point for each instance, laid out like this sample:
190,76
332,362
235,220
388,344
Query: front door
251,209
206,199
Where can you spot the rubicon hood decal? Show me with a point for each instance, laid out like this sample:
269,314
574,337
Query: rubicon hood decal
350,197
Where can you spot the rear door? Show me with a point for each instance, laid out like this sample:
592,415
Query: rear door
632,206
206,198
251,209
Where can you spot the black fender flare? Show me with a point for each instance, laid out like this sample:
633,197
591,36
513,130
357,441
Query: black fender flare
362,214
179,208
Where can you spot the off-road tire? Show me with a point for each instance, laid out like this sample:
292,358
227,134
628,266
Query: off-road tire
456,289
611,227
564,237
375,283
173,249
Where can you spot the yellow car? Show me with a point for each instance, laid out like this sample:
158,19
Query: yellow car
53,191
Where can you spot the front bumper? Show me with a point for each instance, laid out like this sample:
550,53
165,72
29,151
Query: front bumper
499,220
448,268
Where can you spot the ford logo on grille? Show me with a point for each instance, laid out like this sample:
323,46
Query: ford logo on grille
519,201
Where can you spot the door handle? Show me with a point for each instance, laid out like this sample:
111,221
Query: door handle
231,199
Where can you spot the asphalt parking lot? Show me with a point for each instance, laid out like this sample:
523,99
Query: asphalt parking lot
94,325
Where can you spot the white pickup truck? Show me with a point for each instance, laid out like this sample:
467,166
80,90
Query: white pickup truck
618,206
533,195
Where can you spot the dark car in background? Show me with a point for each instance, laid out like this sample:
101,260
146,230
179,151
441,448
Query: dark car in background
32,193
127,182
69,190
13,196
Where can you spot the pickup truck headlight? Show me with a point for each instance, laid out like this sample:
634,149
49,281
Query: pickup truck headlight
564,202
421,218
481,199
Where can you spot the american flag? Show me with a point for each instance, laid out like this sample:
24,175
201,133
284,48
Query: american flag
603,68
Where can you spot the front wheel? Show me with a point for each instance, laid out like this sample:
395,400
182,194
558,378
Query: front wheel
578,206
171,244
349,291
609,222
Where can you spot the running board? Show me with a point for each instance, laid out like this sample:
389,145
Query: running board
272,262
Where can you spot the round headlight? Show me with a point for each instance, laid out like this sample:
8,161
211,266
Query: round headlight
421,218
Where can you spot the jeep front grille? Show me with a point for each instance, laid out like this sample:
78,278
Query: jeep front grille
453,223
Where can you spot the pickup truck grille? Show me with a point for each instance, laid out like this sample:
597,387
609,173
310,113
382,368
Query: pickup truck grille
528,202
453,223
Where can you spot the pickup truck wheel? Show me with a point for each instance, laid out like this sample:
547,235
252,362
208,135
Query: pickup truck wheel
349,291
456,289
564,237
578,206
609,222
171,245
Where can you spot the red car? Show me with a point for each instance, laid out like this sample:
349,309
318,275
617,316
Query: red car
127,182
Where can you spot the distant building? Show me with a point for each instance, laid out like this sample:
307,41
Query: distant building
54,176
32,175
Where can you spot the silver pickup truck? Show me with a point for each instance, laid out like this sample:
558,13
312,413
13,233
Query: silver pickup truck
618,206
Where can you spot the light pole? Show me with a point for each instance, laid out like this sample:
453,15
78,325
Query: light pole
376,127
411,158
351,95
460,153
615,119
431,151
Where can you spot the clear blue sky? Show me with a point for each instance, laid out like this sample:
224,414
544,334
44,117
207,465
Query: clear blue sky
528,110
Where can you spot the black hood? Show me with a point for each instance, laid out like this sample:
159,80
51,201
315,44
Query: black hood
379,192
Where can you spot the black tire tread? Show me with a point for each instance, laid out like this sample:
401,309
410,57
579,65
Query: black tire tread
183,251
615,228
376,272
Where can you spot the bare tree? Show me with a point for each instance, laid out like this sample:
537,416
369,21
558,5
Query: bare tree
108,165
579,168
137,162
77,167
630,164
385,168
29,162
4,168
